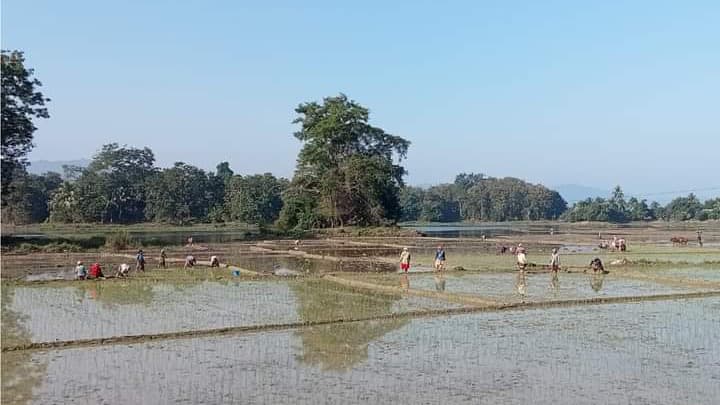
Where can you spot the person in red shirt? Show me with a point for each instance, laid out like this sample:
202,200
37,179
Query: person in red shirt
96,271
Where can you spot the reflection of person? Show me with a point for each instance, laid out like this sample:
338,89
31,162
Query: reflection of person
554,280
596,281
521,284
520,252
555,261
439,282
404,281
80,271
405,260
163,256
440,258
189,261
214,261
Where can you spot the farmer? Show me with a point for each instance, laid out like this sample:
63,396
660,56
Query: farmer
161,261
597,265
214,261
699,238
96,271
140,261
189,261
440,258
123,270
80,271
405,260
520,252
555,260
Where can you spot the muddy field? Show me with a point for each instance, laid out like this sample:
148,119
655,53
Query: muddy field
330,320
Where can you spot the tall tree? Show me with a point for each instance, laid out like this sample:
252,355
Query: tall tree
21,103
337,141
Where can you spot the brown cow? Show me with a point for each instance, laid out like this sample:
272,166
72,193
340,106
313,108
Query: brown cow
679,241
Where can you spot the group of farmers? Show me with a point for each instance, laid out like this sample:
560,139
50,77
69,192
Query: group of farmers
520,253
96,272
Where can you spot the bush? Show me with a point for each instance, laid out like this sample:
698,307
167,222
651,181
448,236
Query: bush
119,240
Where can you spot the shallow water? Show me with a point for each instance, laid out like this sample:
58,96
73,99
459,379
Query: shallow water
652,352
692,273
510,287
50,313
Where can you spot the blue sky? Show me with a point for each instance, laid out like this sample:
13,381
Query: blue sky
588,92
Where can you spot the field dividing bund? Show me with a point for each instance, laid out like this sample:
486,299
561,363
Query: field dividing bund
479,305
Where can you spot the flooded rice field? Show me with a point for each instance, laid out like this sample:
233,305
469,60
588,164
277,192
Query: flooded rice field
651,352
515,287
330,320
95,310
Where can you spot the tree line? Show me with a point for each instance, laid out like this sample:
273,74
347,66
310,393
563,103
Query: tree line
122,185
475,197
617,209
348,172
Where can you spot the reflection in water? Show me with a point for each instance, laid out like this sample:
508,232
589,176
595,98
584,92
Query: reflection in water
596,281
439,282
554,281
340,346
20,372
119,293
404,282
521,284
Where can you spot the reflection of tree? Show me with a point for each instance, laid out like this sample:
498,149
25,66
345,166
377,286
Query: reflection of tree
117,293
20,373
340,346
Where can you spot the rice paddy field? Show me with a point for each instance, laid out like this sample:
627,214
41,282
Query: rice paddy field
331,320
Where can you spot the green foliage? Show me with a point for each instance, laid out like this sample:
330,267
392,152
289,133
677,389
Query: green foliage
441,204
254,199
28,199
411,203
21,102
616,209
475,197
180,195
110,190
684,208
119,240
346,166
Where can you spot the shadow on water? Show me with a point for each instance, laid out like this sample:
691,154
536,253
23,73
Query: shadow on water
341,346
21,374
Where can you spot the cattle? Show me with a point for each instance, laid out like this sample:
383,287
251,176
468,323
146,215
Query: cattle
679,241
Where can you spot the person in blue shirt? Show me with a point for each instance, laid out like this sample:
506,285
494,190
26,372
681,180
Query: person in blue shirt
440,258
140,261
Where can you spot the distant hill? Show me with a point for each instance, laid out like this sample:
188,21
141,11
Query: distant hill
43,166
574,192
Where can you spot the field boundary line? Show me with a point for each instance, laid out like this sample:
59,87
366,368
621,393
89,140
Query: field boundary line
236,330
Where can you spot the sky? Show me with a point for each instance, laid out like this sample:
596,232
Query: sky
596,93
